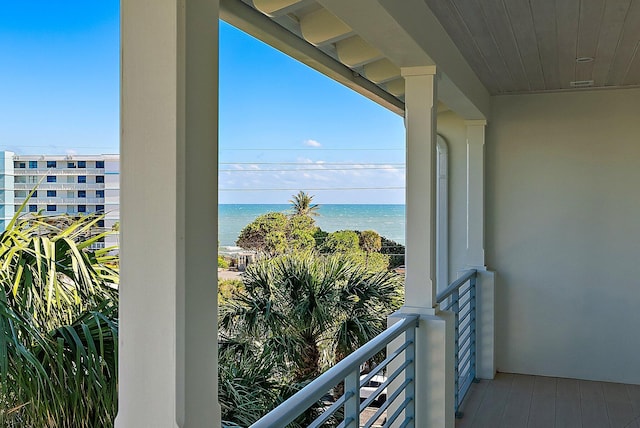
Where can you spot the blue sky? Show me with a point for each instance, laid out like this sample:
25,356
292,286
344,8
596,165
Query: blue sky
282,125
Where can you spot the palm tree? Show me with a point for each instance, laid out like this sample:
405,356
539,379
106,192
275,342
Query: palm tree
302,204
309,311
58,324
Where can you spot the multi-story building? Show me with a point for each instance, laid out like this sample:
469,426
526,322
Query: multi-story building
63,184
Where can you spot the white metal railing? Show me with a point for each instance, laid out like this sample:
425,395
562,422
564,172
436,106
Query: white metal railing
42,200
460,297
58,171
348,371
59,186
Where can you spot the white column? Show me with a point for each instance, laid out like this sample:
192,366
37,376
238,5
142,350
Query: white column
475,258
475,192
434,369
168,292
420,121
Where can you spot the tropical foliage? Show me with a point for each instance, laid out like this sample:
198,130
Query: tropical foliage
342,241
393,250
305,312
302,204
370,241
276,233
58,324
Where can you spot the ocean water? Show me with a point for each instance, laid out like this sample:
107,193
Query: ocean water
387,220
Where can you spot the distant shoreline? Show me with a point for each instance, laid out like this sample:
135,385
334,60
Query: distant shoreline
386,219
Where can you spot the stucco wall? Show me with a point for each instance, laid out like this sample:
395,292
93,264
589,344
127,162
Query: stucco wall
563,233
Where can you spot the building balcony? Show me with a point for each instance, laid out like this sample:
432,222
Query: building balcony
507,400
58,171
59,186
61,201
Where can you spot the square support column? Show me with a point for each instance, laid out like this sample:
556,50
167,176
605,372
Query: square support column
475,192
420,121
434,339
168,293
485,284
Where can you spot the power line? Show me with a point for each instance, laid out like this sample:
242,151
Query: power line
313,189
316,164
317,149
315,169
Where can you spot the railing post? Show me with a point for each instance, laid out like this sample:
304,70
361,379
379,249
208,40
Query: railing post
352,403
433,385
472,304
410,373
455,307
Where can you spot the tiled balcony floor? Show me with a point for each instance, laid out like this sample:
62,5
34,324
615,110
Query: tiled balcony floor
513,401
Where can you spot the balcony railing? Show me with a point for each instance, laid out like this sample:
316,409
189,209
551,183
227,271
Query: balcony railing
460,297
58,171
59,186
348,407
59,201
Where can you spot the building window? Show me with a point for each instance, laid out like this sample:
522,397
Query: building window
99,193
19,165
99,164
99,178
82,179
51,178
82,193
82,164
100,223
51,164
51,208
33,164
82,208
71,164
35,194
100,208
52,193
33,208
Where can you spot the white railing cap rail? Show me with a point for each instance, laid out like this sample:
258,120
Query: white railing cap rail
466,276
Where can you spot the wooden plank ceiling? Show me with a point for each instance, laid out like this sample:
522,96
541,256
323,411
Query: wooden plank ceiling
519,46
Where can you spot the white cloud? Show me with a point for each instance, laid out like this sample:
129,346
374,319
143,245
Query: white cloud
312,143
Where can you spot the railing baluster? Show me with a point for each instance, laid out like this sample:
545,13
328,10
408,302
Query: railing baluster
472,285
352,404
410,373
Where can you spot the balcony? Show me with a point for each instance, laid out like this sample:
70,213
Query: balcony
59,186
61,201
508,400
58,171
549,202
